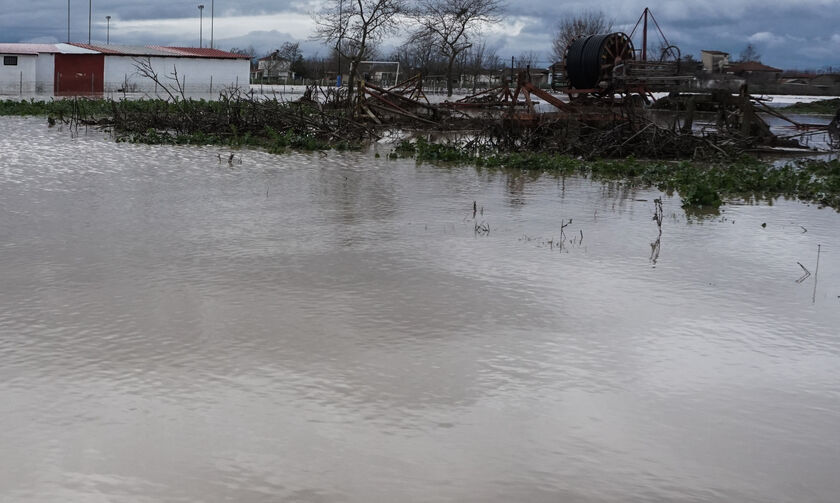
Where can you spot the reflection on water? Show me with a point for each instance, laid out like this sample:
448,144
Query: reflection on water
331,327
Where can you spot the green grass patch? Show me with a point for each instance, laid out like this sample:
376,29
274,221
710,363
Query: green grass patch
820,107
700,184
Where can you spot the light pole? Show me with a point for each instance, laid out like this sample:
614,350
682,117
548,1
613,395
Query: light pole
108,35
200,25
68,21
90,17
338,47
212,16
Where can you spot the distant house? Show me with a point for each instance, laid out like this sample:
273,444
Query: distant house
755,72
274,66
486,78
385,77
714,61
826,80
479,79
382,74
797,78
540,77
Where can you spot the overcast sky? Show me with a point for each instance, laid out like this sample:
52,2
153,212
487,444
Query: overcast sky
788,34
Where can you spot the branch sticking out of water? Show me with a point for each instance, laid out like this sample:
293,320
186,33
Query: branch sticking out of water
657,217
804,276
816,275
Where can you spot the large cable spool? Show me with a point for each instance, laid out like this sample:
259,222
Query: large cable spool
591,60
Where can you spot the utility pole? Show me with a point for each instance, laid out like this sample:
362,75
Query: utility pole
68,21
90,17
212,17
200,25
108,36
338,47
644,37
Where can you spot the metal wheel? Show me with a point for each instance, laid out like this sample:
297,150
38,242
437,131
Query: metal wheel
617,49
670,53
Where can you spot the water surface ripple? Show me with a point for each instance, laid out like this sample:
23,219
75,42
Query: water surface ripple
312,327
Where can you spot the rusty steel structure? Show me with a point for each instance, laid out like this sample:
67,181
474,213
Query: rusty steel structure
603,64
405,100
609,82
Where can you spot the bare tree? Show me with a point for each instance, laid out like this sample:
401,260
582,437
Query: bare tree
528,59
245,51
356,26
589,22
749,54
419,58
482,60
289,51
451,27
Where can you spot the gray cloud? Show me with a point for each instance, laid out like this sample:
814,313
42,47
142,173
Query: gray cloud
803,34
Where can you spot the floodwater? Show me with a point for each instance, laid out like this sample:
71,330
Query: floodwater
339,328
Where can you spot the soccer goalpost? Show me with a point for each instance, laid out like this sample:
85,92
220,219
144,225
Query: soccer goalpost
372,63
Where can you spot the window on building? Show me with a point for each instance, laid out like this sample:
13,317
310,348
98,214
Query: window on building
9,60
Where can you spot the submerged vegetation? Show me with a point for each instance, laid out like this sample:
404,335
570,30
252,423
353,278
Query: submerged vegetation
820,107
700,184
236,120
233,120
54,108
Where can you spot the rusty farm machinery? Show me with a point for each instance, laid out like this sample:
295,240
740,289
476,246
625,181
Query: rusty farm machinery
604,82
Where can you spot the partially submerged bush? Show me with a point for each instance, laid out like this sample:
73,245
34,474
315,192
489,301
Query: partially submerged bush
699,184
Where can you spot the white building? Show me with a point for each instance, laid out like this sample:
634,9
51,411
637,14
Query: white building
18,70
714,61
274,66
70,69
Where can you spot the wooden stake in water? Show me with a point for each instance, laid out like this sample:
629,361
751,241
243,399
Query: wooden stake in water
816,275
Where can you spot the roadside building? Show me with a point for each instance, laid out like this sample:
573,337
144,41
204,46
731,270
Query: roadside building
826,81
797,78
274,67
755,72
18,69
539,77
714,61
72,69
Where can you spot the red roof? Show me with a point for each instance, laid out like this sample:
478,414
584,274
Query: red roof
751,66
798,75
156,50
122,50
97,48
205,52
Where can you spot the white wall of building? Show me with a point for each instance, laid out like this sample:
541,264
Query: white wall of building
45,73
274,68
19,78
196,75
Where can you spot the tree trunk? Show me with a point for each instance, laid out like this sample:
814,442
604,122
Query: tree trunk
449,75
352,78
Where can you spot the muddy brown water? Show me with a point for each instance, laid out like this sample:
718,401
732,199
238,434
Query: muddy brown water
317,328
